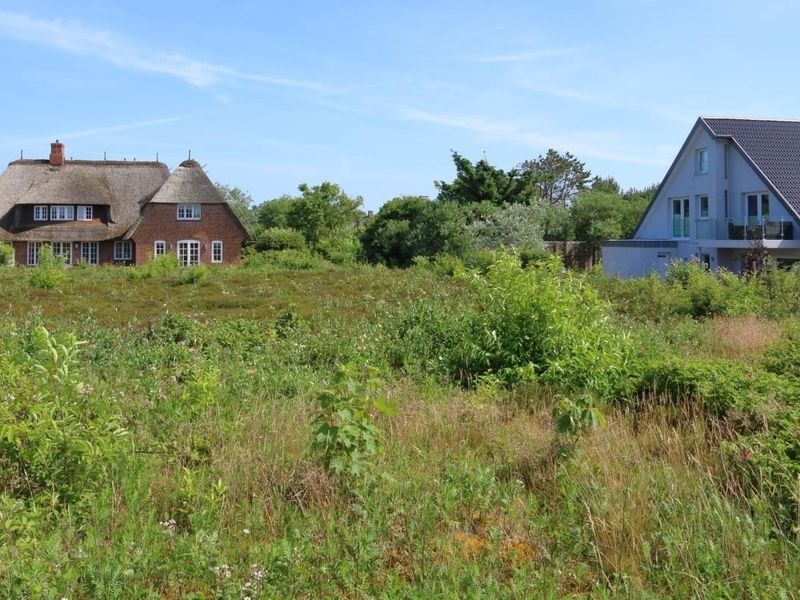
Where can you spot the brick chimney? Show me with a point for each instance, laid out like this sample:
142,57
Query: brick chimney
56,154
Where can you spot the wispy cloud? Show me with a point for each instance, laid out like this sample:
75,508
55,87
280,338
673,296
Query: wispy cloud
583,144
530,55
96,131
74,37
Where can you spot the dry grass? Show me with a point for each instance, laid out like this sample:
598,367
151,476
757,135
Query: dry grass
739,337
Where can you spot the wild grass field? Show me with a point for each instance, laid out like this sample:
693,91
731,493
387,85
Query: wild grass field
430,432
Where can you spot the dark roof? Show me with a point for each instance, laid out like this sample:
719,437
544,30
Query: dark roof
772,146
123,186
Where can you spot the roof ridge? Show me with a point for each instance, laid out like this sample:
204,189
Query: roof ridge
771,119
113,163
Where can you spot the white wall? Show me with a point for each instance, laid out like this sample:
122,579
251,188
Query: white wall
633,261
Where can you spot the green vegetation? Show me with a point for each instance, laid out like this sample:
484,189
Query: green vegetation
459,428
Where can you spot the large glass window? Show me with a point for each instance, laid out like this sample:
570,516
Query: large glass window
680,217
33,253
188,253
702,206
40,213
90,253
188,212
159,248
757,207
85,213
63,250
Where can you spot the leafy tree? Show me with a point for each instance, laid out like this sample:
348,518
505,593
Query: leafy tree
558,177
278,238
241,202
322,210
600,216
444,230
394,235
513,226
275,213
482,182
606,184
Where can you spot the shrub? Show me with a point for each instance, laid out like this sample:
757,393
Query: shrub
345,438
49,272
547,323
279,238
192,275
293,260
6,255
58,443
341,248
164,264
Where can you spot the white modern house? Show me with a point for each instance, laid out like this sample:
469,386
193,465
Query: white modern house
735,183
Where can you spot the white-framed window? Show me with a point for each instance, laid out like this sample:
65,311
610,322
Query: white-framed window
216,251
159,248
188,252
701,161
680,217
63,251
33,253
702,206
90,253
123,250
62,213
40,212
188,212
85,213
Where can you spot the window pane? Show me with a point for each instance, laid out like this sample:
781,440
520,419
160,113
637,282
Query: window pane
764,205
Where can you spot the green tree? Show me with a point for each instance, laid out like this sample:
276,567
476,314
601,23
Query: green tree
558,178
394,235
482,182
513,226
323,210
600,216
242,204
275,213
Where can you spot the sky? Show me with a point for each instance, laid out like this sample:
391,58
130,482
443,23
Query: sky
375,95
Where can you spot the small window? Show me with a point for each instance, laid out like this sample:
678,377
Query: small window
701,161
62,213
123,250
90,253
159,248
188,212
33,253
216,251
40,213
85,213
702,206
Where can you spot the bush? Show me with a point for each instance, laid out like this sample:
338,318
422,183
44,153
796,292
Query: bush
58,442
49,272
192,275
293,260
6,255
158,266
279,238
341,249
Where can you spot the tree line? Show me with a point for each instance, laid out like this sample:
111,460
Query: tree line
552,197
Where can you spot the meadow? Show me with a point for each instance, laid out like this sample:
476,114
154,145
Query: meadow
285,430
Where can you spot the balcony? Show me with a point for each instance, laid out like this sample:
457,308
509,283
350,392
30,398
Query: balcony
742,229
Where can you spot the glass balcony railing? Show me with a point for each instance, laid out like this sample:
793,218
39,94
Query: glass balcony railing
743,229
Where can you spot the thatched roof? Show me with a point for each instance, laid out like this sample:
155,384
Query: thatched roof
188,184
124,186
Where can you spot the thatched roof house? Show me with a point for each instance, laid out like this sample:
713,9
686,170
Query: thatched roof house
106,201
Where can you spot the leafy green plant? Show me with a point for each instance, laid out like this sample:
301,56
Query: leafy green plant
192,275
345,436
50,270
6,254
164,264
58,443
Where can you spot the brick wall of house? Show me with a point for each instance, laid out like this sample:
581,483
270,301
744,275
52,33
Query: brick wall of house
161,222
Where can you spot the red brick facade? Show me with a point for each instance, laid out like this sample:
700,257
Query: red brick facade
160,223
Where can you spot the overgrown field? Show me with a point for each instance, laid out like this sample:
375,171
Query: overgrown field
433,432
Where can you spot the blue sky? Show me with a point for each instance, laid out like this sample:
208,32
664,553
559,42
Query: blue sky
374,95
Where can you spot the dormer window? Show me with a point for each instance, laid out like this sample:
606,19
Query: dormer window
40,213
701,161
85,213
62,213
188,212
